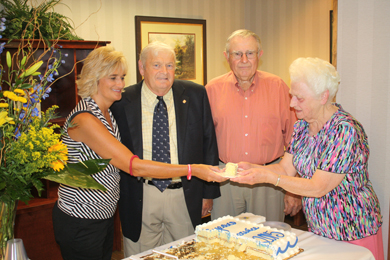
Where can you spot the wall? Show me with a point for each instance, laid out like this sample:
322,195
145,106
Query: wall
288,28
364,65
115,22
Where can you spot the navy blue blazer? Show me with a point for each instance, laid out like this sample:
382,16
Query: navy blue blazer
196,144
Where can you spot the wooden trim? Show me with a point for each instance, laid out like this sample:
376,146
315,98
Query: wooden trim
334,33
173,21
60,43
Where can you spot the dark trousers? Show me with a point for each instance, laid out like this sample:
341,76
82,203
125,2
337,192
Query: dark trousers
83,239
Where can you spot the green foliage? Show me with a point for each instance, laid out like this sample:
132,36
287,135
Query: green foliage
185,56
78,174
30,149
35,22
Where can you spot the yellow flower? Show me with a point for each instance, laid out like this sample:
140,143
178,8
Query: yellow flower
10,95
61,150
3,104
19,91
6,93
36,155
4,118
57,165
22,99
30,145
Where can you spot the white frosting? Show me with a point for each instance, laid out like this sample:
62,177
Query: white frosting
256,239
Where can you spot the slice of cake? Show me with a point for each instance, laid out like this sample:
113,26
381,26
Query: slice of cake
253,239
231,169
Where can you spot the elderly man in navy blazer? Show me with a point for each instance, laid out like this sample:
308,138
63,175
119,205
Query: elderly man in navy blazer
150,215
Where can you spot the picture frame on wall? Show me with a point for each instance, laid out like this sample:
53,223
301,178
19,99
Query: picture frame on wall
186,36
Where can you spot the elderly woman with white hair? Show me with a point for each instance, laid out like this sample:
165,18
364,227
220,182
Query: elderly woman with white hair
329,150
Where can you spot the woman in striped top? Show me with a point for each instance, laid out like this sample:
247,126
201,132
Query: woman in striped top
329,150
83,218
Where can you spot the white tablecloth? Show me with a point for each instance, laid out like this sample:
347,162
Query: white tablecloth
315,248
321,248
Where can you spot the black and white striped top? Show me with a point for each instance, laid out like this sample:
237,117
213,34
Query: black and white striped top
90,203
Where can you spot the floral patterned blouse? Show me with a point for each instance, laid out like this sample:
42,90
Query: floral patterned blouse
351,210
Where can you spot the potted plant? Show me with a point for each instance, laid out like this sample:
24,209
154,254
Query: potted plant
30,145
23,20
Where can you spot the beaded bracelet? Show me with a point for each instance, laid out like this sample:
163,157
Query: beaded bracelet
189,175
131,164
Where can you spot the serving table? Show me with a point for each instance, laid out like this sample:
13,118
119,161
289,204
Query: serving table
314,247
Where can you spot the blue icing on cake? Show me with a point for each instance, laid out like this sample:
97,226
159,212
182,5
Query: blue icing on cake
254,239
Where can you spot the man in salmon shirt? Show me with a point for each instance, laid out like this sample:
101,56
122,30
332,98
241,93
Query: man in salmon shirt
253,123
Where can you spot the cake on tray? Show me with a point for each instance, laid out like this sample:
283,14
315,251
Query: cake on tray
199,251
231,238
254,239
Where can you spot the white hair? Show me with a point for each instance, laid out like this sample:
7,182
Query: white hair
243,33
319,75
155,48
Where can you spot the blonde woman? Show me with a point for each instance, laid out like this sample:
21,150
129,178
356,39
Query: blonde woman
83,218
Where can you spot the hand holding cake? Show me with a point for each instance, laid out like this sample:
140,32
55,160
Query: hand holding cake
251,174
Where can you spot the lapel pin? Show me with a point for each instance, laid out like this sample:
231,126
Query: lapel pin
184,101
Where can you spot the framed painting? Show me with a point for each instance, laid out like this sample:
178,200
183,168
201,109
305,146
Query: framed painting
186,36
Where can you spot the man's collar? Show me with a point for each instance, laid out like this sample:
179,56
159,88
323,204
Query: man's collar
151,97
252,82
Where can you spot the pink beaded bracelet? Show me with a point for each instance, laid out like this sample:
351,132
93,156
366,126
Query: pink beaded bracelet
189,175
131,164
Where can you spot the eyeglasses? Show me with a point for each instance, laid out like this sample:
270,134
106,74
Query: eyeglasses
238,54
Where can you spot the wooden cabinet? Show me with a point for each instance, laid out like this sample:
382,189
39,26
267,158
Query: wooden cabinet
33,223
64,90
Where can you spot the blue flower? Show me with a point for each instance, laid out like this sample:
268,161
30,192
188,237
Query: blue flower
2,47
46,94
17,134
50,78
22,114
34,97
35,112
3,19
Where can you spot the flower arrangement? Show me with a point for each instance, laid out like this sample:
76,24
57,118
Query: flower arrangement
30,145
30,148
